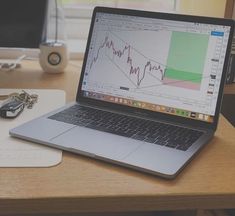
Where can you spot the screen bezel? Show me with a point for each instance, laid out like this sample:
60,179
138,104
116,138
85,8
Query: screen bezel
147,113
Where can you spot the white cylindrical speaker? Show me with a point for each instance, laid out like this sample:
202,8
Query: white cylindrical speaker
53,57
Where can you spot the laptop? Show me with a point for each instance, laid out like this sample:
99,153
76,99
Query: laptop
149,93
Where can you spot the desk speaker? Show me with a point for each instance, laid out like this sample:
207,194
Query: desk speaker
53,57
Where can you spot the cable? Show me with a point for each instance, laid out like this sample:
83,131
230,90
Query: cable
56,21
17,62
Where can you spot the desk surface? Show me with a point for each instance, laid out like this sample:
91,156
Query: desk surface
80,184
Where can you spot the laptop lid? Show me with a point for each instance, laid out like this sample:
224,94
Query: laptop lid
164,66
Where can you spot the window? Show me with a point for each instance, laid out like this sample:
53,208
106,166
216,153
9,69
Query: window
78,12
86,6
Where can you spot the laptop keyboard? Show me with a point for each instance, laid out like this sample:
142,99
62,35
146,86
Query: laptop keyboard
140,129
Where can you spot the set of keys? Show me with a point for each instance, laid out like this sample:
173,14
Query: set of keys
14,103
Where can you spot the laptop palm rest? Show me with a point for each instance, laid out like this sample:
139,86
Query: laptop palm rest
79,139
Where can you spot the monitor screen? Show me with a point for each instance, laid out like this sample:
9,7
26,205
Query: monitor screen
166,66
22,23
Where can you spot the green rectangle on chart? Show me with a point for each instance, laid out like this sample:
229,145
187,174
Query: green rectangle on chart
187,56
182,75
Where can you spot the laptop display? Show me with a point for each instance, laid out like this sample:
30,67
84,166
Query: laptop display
166,66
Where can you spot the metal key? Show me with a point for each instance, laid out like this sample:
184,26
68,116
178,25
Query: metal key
26,98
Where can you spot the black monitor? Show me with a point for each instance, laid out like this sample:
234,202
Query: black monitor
22,23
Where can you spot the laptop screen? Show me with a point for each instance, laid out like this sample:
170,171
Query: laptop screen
166,66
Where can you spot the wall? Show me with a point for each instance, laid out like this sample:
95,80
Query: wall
214,8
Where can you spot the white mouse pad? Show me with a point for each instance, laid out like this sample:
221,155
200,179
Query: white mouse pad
19,153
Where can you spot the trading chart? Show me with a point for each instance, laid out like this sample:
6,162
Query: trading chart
160,62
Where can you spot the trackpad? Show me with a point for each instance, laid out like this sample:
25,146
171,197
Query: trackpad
95,142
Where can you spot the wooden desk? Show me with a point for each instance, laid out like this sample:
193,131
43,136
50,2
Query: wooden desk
80,184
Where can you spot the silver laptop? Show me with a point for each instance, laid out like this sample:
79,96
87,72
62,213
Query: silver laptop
149,94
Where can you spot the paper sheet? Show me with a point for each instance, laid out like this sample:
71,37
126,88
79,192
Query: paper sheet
19,153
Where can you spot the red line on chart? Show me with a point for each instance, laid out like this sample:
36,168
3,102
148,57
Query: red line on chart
134,70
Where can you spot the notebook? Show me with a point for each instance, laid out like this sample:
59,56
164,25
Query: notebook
149,93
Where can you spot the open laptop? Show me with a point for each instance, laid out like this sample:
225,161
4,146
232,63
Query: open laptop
149,94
